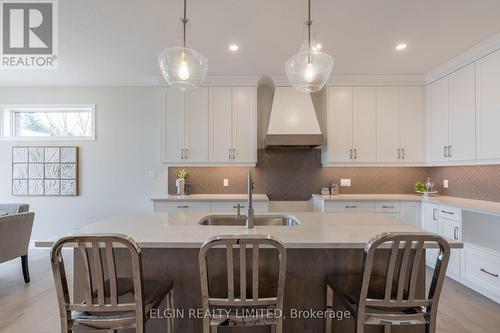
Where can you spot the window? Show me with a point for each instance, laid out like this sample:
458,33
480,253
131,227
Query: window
48,122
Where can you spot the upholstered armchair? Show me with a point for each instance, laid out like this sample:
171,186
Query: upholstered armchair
15,234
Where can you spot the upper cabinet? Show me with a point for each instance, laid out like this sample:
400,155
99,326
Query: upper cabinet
488,106
375,125
210,126
185,135
233,124
451,112
351,121
400,125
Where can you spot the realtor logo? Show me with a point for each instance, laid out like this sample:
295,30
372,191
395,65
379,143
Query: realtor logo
29,34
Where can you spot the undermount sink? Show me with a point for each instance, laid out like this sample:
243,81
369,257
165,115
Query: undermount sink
233,220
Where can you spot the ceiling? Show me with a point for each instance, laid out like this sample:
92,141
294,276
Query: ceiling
116,42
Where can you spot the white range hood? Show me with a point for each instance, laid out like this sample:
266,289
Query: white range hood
293,121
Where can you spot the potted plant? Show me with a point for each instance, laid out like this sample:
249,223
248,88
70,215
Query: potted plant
180,182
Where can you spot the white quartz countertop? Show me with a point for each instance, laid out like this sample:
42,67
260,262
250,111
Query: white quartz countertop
481,206
316,230
211,197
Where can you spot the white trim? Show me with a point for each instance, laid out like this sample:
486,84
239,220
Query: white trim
473,54
6,121
222,81
361,80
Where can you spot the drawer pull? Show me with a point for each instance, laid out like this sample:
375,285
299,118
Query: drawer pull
434,214
236,206
387,207
446,212
351,206
489,273
183,206
455,233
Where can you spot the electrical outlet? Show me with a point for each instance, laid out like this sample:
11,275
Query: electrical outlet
345,182
226,182
445,183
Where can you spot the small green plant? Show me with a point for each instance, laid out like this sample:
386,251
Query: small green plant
420,187
182,174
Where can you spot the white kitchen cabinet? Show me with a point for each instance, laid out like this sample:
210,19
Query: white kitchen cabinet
451,114
437,108
185,134
400,125
233,124
411,213
364,121
488,106
232,207
221,133
182,206
339,122
430,222
352,124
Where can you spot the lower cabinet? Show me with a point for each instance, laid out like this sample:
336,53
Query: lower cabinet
482,268
208,206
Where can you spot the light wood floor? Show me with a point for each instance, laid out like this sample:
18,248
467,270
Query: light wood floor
33,308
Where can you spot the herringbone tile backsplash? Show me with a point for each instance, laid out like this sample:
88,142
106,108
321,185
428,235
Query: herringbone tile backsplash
296,174
480,182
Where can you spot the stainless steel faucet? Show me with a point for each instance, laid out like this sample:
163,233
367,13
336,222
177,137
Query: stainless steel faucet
250,203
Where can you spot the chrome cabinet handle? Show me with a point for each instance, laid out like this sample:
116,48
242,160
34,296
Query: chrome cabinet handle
489,273
350,151
182,154
186,153
351,206
455,233
236,206
229,153
399,153
403,155
182,206
355,153
434,214
234,153
446,212
449,151
445,154
387,207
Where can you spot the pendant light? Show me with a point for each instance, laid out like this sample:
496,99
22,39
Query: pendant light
308,70
183,68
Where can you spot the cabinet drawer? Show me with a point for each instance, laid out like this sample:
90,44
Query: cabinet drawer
230,206
482,267
450,213
388,206
451,229
182,206
350,206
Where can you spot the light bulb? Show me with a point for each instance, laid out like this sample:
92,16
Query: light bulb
183,70
309,73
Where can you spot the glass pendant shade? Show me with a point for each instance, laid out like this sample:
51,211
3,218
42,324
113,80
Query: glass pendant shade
183,68
309,70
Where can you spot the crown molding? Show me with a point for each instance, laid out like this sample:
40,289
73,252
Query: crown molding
473,54
223,81
376,80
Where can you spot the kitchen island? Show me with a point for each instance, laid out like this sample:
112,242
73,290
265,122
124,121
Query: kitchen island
322,244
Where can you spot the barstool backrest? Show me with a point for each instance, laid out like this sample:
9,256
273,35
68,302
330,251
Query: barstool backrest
241,243
98,296
403,270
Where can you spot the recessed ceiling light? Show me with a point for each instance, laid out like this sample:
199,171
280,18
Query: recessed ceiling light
319,46
234,47
401,46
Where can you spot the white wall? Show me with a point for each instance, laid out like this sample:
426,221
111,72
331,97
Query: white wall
113,169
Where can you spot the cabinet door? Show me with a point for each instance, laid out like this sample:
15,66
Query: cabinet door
220,118
488,106
411,213
364,124
196,134
340,124
388,122
452,230
437,108
463,114
173,133
430,223
244,125
412,124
